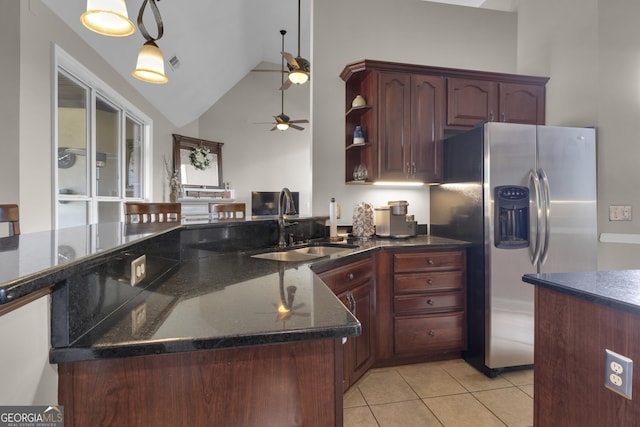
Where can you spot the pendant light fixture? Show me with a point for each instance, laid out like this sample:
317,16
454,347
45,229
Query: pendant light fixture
108,17
150,64
299,67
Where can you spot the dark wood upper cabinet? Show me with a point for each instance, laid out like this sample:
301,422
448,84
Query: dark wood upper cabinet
409,108
470,102
522,103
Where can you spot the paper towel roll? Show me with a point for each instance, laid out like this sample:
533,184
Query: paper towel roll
333,223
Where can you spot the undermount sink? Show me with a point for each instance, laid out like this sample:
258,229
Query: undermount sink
306,253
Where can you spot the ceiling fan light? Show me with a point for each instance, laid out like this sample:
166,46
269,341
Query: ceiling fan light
298,76
108,17
282,126
150,65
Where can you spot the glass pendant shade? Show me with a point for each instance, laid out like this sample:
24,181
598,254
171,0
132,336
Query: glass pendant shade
282,126
108,17
150,65
298,77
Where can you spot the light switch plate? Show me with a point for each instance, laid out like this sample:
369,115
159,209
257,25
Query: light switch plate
620,213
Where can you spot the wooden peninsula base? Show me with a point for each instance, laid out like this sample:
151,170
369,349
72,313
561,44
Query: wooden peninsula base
571,335
290,384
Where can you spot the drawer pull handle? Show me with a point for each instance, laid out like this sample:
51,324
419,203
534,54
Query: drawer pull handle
430,261
432,333
430,302
350,276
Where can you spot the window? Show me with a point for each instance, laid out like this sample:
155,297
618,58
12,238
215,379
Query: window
102,146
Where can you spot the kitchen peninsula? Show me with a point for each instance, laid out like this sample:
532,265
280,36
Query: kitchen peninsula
211,335
577,317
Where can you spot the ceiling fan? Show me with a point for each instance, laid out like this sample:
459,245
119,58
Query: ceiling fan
284,122
299,67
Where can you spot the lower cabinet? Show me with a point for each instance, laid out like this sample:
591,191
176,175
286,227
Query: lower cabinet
429,302
411,304
353,283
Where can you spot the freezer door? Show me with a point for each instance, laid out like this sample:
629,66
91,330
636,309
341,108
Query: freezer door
568,158
510,157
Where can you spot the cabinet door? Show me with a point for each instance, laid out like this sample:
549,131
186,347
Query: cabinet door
427,101
394,125
358,351
470,102
522,103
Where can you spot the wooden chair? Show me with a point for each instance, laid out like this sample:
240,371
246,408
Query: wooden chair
227,211
139,212
11,214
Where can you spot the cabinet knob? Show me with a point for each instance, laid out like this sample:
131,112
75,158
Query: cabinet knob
430,261
503,116
432,333
430,302
350,276
430,282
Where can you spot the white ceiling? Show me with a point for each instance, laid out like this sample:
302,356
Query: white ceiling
217,43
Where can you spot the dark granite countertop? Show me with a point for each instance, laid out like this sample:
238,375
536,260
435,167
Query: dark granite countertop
32,261
619,290
217,299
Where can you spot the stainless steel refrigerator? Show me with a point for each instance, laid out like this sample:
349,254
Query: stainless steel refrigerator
525,197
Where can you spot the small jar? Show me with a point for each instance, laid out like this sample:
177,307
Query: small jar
358,136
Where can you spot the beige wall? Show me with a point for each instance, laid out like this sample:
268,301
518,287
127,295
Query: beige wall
33,166
254,158
590,50
10,99
411,31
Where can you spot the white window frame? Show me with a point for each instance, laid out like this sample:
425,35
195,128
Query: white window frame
97,87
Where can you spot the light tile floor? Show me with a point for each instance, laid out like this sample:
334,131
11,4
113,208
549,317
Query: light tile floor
439,394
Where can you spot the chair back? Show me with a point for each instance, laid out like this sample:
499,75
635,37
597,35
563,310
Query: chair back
11,214
139,212
227,211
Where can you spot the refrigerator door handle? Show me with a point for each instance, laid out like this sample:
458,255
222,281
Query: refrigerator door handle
547,214
534,250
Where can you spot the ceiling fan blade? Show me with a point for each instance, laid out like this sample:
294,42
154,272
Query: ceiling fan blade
268,71
299,121
286,84
296,127
291,60
273,128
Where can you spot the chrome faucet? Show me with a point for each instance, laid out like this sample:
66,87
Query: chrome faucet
285,207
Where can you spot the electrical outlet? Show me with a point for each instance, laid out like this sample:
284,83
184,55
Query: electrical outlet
618,373
138,270
138,317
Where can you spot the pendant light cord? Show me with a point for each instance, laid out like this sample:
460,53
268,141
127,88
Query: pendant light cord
156,15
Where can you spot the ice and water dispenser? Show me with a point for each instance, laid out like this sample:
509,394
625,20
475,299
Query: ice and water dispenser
511,210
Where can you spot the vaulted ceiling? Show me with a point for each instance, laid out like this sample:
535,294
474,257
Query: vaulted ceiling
217,42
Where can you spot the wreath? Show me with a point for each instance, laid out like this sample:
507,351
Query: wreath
199,158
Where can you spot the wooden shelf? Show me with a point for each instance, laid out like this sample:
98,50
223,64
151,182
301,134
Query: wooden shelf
358,110
353,146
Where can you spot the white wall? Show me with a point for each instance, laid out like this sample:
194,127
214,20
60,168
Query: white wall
590,49
410,31
253,157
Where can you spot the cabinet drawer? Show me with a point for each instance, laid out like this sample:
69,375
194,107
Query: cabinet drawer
411,304
348,275
428,261
427,282
429,333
